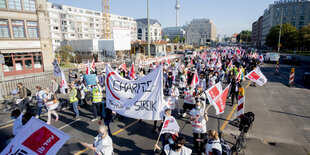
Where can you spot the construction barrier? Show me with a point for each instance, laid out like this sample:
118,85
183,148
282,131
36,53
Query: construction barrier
292,76
241,102
277,68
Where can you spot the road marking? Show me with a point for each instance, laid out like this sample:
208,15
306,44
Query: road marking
115,133
6,126
228,118
120,130
68,124
7,122
82,151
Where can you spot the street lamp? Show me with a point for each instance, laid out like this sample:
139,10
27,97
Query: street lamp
148,30
279,39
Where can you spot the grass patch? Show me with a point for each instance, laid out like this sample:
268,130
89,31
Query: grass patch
68,65
307,53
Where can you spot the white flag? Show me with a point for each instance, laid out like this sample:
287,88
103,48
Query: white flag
36,138
219,102
170,125
214,91
257,76
139,99
64,84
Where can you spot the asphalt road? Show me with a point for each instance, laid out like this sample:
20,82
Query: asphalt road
281,126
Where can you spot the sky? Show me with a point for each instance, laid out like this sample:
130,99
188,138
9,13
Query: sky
229,16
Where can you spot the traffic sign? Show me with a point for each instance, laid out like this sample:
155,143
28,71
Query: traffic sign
1,59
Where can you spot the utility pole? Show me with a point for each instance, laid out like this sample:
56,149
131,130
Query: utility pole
148,30
279,39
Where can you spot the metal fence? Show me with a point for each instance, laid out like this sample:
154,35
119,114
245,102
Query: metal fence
29,81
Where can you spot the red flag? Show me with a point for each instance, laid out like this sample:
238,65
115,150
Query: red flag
220,101
239,75
123,66
88,68
93,65
169,62
195,79
192,61
132,72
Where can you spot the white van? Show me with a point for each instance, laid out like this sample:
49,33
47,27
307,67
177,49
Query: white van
272,57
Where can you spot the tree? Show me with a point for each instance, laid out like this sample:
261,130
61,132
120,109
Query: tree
289,36
244,36
165,37
65,52
183,39
304,35
176,39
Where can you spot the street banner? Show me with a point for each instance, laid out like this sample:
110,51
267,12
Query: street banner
220,101
90,79
63,85
170,125
57,70
214,91
36,138
257,76
139,99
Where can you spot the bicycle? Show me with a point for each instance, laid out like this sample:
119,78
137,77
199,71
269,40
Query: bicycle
239,145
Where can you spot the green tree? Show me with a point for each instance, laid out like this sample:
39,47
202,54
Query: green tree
289,36
165,37
183,39
176,39
304,36
65,52
244,36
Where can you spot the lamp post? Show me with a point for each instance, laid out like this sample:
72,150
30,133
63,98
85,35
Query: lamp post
279,39
148,30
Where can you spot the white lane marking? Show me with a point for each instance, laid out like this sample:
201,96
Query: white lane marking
6,122
68,124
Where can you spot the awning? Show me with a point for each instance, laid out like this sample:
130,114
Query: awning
20,50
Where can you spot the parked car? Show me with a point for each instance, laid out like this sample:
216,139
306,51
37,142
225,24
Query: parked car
292,60
306,77
272,57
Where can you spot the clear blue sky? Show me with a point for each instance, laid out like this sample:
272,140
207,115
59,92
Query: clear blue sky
229,16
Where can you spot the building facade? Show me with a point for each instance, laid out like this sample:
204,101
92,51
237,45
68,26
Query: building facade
201,32
295,12
71,23
172,32
24,37
155,29
257,28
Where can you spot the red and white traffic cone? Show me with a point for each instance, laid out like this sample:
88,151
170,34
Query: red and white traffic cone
241,101
277,68
292,76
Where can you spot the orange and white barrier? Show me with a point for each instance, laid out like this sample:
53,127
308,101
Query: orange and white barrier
292,76
277,68
241,102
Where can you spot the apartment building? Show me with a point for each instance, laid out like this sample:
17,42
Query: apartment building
155,29
25,40
71,23
201,32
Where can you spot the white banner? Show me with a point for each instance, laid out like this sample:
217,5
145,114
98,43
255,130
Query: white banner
36,138
257,76
214,91
139,99
170,125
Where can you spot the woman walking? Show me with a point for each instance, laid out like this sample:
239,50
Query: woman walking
51,104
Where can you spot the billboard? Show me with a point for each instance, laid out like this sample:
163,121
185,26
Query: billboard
121,39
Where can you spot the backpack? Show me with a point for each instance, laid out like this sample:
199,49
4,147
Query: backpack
78,95
58,90
225,147
28,92
75,76
246,120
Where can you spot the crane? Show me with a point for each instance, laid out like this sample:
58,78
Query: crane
106,19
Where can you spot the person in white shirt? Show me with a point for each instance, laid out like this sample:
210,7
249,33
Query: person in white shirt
199,118
174,93
189,100
103,144
213,146
176,148
17,125
51,104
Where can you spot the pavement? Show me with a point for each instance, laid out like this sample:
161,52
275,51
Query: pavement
281,125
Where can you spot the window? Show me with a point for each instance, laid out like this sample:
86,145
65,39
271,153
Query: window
301,23
301,18
33,29
2,4
18,28
29,5
15,4
55,27
4,28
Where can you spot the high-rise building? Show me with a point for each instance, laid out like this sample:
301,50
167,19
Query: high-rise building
24,37
172,32
257,27
71,23
200,32
295,12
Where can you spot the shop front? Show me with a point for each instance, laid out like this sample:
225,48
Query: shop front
22,63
